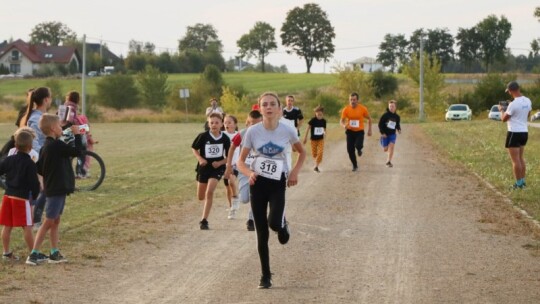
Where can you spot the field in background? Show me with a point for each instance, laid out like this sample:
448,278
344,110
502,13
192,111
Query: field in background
479,146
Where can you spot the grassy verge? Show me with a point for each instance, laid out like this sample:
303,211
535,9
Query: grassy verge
479,146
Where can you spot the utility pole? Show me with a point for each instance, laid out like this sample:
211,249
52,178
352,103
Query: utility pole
421,107
83,76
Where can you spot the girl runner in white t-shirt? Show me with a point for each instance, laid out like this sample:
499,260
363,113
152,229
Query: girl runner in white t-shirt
269,176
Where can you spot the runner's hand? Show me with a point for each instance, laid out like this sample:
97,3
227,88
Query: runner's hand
202,162
228,172
293,178
252,178
216,165
369,133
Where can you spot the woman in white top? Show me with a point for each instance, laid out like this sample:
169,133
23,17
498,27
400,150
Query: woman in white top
269,175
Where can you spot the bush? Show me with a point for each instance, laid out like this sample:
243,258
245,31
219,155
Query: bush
332,105
117,91
233,103
354,80
489,91
383,84
154,88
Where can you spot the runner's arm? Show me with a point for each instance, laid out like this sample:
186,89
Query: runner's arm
292,180
230,154
307,132
199,158
241,165
369,125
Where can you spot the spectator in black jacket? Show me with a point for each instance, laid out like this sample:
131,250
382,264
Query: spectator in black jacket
22,186
388,125
59,181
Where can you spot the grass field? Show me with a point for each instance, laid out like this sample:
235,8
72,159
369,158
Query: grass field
479,146
254,83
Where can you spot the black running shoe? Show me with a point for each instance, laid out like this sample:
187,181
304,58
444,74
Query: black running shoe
204,224
316,169
35,259
266,282
389,165
354,169
359,153
57,258
250,225
283,234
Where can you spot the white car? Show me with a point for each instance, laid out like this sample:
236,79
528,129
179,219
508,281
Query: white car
535,116
494,113
458,112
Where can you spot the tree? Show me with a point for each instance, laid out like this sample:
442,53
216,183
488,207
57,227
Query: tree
493,34
52,33
117,91
258,42
433,79
535,48
308,33
393,51
438,43
199,37
537,13
154,88
468,41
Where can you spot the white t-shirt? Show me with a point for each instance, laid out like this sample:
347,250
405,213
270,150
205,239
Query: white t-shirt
519,113
33,154
270,145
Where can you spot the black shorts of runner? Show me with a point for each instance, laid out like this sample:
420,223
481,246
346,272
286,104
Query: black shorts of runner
226,180
516,139
204,174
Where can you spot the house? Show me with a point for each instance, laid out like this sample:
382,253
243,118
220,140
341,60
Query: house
24,58
109,58
366,64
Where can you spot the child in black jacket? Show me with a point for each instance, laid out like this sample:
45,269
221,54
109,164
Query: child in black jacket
22,186
389,124
59,181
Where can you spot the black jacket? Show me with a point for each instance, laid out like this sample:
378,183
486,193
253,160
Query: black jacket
21,176
55,165
385,119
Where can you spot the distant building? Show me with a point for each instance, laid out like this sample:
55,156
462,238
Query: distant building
24,59
109,58
366,64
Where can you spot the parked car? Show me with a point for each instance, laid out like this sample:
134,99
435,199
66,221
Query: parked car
535,116
494,113
92,74
458,112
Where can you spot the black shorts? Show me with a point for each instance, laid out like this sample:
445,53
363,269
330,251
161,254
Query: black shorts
226,180
516,139
207,172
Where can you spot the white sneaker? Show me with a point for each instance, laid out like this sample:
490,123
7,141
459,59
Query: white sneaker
235,204
232,214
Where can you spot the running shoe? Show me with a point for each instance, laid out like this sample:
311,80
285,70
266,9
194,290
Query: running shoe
56,258
316,169
35,259
283,234
354,169
359,153
389,165
204,224
10,257
266,282
250,225
232,214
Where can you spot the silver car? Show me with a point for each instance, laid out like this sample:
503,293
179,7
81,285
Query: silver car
494,113
458,112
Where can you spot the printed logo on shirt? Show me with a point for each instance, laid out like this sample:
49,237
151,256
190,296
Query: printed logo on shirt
270,149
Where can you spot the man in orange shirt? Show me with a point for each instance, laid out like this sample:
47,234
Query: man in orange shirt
352,119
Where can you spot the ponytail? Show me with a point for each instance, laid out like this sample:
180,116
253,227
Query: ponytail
36,97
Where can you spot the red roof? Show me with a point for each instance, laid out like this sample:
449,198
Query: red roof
41,53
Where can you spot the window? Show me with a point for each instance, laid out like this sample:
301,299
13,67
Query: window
15,68
15,55
48,56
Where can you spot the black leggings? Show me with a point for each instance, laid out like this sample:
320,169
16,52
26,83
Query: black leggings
267,192
355,139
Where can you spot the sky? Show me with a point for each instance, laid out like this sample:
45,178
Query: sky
359,25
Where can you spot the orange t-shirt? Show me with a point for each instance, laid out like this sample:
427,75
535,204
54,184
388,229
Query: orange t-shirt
355,117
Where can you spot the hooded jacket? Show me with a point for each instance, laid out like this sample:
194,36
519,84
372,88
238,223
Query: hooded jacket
387,119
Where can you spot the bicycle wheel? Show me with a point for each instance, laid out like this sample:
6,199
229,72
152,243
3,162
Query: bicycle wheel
89,171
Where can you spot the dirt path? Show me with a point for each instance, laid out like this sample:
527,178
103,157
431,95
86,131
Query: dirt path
420,232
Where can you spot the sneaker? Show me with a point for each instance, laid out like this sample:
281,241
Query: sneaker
232,214
354,169
389,165
56,258
204,224
283,234
316,169
266,282
35,259
359,153
516,187
250,225
235,203
10,257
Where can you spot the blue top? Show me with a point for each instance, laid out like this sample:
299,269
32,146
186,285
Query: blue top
33,122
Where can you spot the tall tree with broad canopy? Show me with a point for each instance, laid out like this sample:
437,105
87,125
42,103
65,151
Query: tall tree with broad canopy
469,45
52,33
438,43
258,42
393,51
199,37
308,33
493,34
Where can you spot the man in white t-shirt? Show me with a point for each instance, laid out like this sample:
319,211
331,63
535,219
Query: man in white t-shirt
516,117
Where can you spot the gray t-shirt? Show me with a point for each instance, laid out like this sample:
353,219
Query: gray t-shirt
270,144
